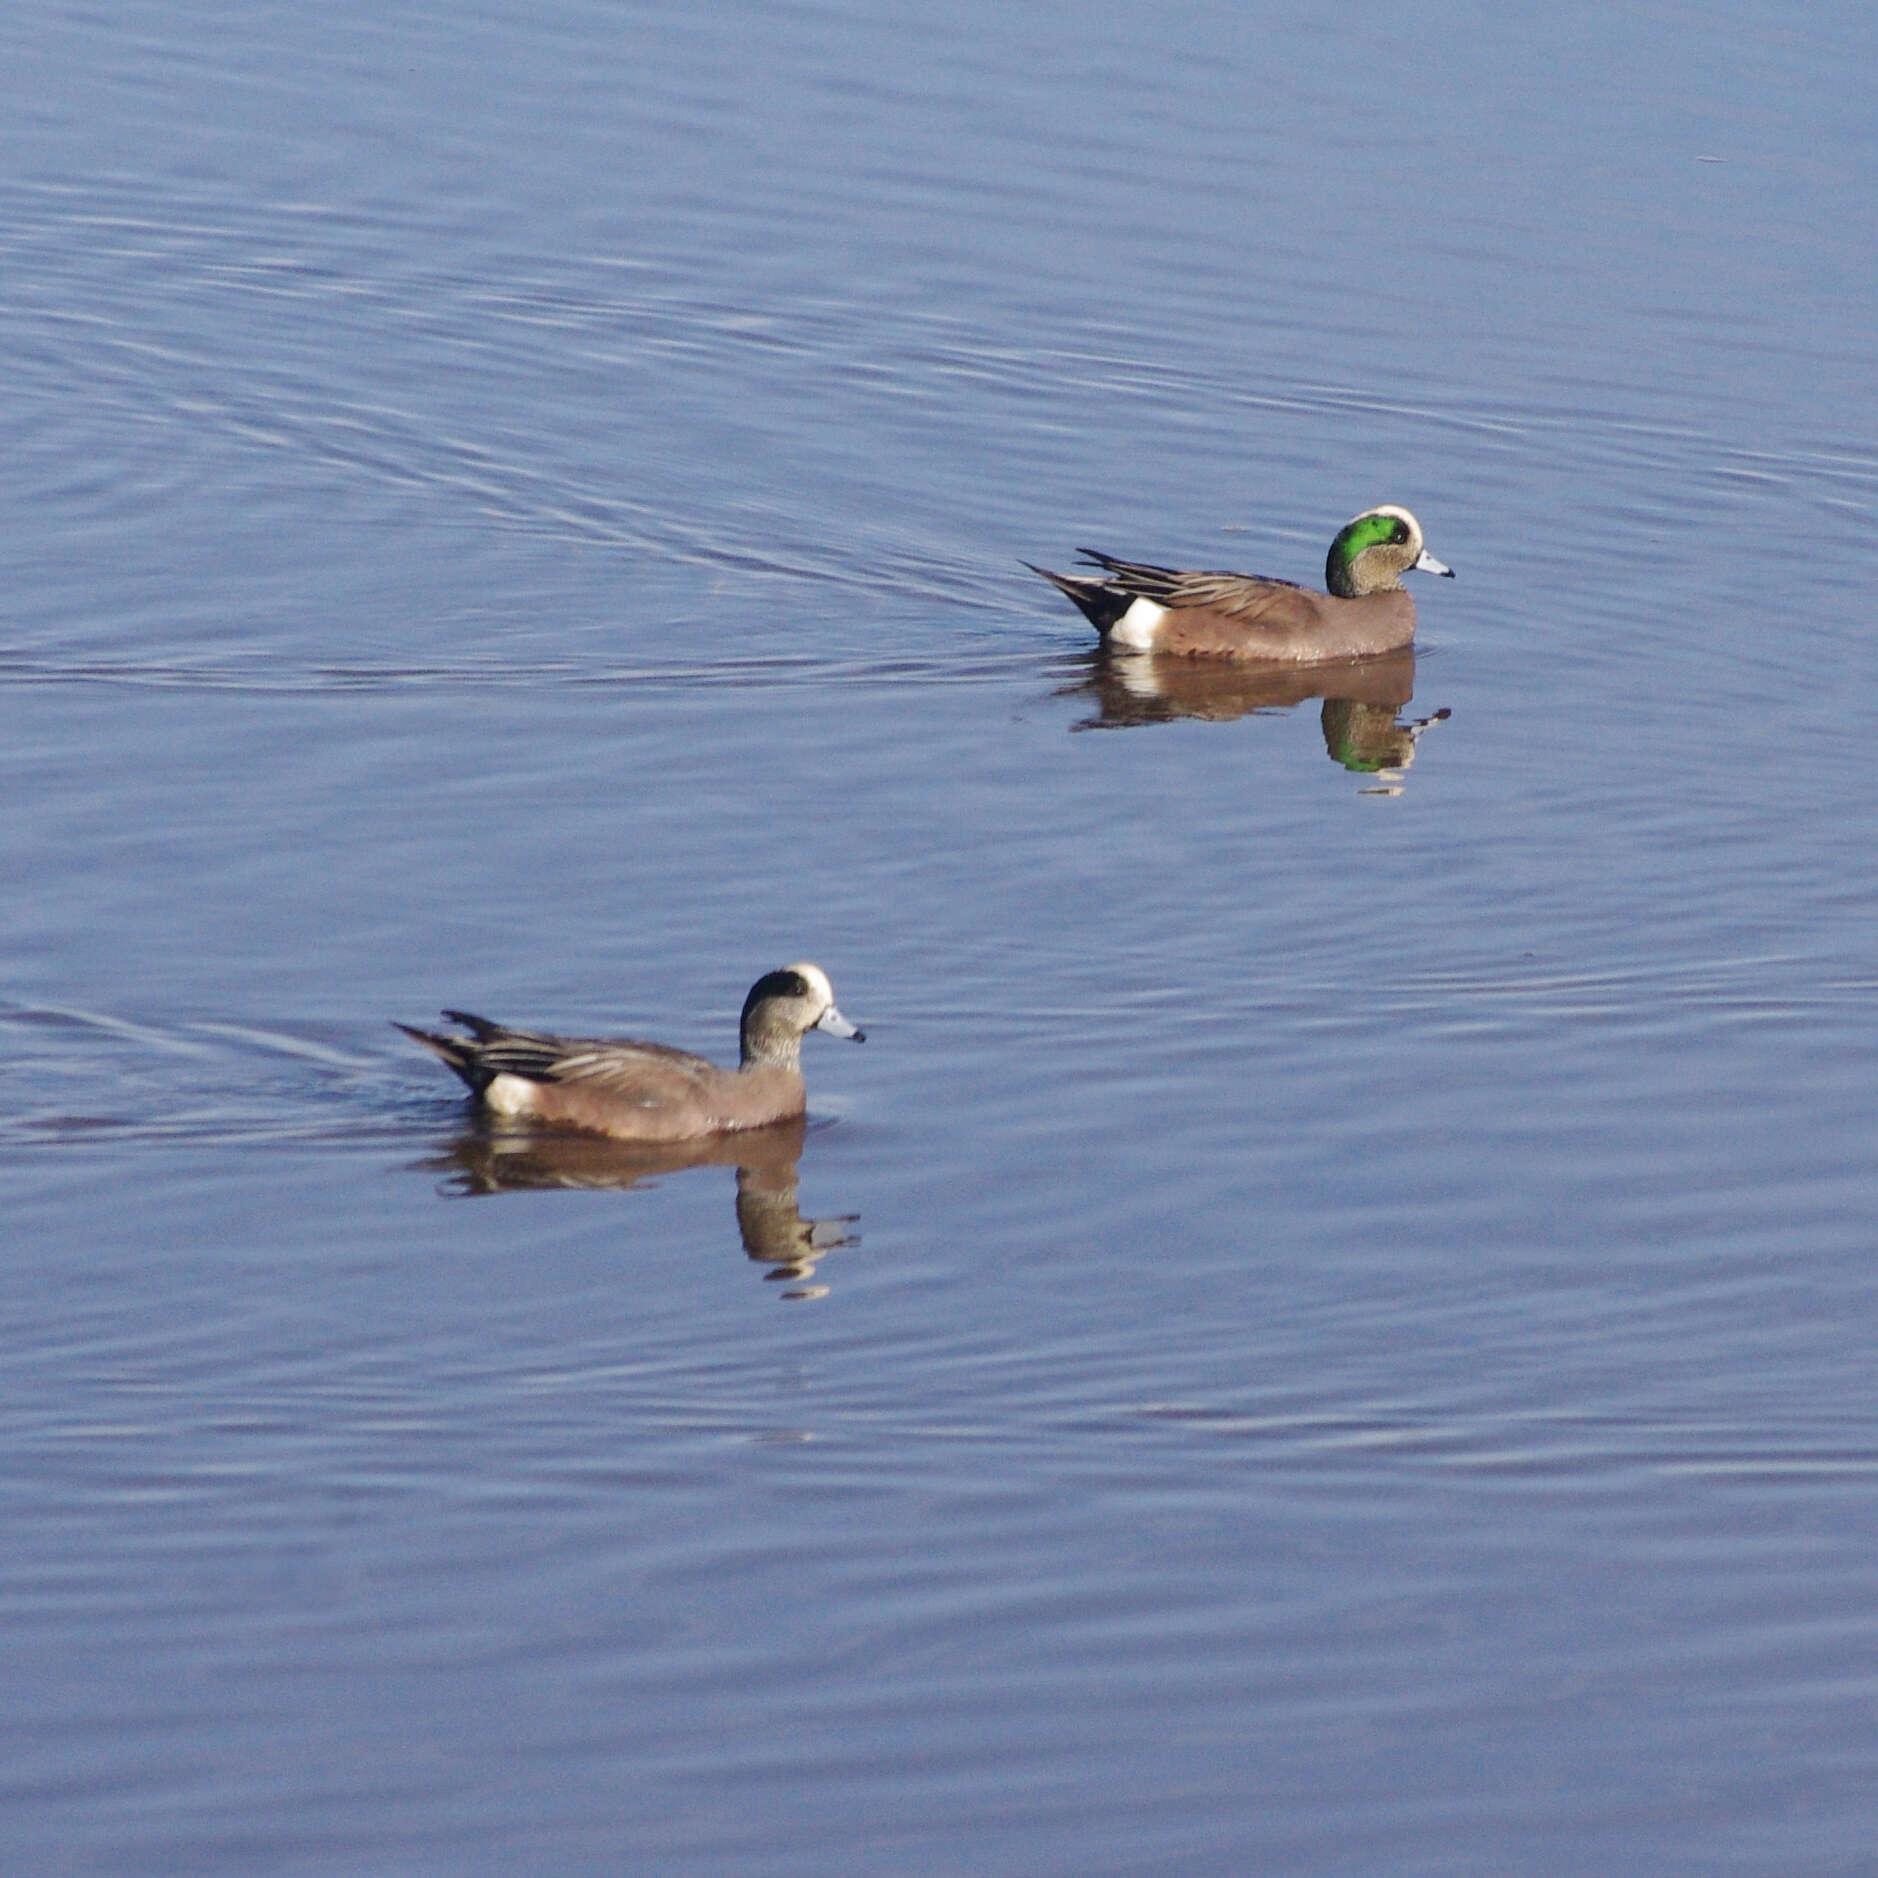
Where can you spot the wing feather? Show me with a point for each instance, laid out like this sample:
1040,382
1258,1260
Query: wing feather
1246,597
653,1075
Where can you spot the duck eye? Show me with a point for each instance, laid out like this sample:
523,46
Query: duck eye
1400,532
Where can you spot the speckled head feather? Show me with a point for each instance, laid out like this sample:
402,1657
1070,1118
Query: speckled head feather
784,1005
1374,550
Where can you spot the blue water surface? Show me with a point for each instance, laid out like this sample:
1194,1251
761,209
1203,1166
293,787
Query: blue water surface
1328,1329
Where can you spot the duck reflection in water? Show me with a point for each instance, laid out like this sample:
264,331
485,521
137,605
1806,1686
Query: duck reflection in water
1363,700
497,1159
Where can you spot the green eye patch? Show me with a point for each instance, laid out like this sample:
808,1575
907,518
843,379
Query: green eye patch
1366,532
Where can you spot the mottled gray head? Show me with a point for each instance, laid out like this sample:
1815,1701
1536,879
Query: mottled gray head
784,1004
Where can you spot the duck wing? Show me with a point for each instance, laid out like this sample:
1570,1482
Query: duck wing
649,1075
501,1050
1246,597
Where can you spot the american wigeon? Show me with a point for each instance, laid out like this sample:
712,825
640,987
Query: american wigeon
637,1091
1139,608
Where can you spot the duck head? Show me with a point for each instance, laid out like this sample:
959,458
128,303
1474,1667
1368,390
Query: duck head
1374,550
782,1007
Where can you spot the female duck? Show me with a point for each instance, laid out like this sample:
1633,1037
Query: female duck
1139,608
648,1091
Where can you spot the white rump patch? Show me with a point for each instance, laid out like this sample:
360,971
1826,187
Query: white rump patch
1136,628
510,1095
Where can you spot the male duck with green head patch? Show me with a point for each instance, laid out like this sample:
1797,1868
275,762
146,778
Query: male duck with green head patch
1140,608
